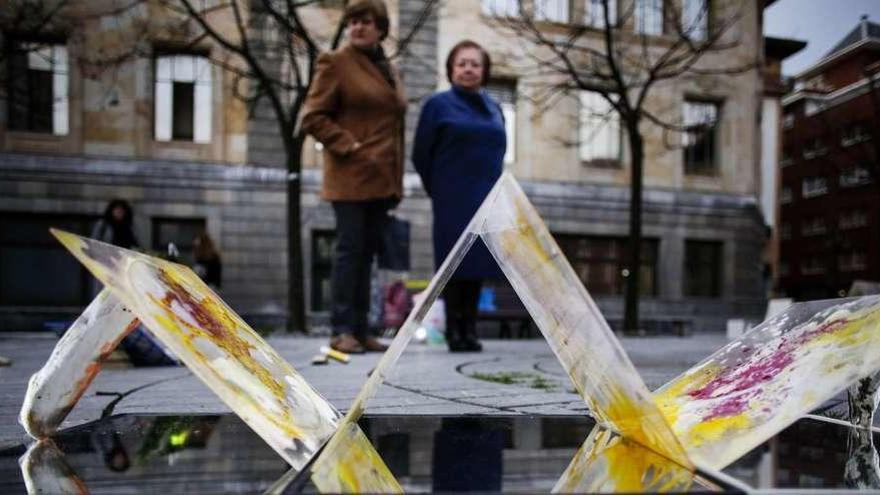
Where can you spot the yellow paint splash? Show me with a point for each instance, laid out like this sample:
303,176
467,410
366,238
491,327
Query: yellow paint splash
606,462
350,464
717,428
640,423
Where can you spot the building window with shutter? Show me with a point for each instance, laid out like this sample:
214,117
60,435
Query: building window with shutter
37,86
594,13
695,17
552,10
183,98
700,137
648,17
500,8
504,92
599,132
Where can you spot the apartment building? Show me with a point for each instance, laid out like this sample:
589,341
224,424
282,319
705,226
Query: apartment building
829,202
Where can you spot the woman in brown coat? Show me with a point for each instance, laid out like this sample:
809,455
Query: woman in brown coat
355,108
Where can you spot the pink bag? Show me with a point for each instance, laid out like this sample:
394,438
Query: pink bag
395,305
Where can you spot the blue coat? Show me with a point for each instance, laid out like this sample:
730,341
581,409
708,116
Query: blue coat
459,154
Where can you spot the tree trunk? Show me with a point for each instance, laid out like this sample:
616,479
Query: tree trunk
295,282
631,298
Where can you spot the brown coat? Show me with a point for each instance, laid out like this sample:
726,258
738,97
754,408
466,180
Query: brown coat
349,102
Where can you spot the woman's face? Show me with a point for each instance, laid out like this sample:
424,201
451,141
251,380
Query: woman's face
467,69
118,213
363,32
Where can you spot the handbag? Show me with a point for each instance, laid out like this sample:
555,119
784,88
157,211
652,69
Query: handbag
394,248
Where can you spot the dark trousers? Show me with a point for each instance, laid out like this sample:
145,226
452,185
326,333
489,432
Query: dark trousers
461,298
359,226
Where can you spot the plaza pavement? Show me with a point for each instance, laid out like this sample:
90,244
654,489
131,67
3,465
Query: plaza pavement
508,377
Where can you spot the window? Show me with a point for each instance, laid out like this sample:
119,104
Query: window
594,14
813,106
813,226
37,86
854,134
702,268
786,159
852,219
788,121
785,196
700,136
551,10
504,92
183,98
599,263
179,231
853,262
785,231
500,8
27,249
814,148
813,266
599,130
323,244
648,17
814,186
695,19
854,176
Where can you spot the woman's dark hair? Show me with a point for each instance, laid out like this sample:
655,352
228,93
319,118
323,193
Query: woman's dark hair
118,203
374,8
203,248
450,60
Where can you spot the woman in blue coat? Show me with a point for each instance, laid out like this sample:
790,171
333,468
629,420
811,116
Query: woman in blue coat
459,154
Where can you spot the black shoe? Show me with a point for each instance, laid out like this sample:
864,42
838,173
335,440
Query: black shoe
471,344
456,345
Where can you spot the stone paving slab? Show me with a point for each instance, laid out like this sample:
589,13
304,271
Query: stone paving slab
427,380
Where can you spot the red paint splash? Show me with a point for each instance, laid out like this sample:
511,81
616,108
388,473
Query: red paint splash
214,320
737,385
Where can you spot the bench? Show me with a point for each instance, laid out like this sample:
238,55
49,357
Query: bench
507,310
658,326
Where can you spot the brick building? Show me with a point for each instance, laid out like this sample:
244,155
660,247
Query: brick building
829,224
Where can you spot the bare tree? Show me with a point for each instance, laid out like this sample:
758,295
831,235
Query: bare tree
622,56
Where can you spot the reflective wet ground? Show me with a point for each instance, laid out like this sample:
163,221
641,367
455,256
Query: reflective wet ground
220,454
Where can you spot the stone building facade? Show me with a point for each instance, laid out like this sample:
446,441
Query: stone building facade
163,130
703,233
